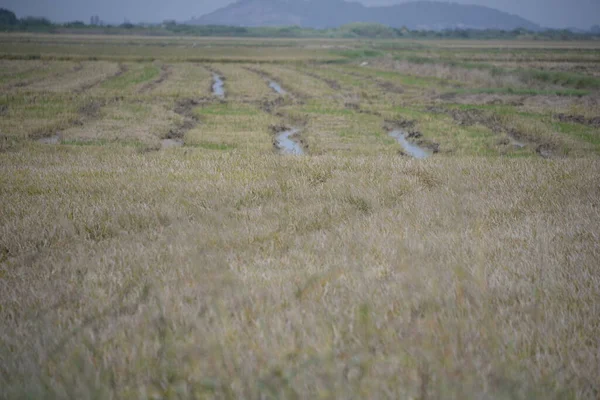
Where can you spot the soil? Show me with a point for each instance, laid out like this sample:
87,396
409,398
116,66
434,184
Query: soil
91,109
269,106
184,108
356,107
21,84
471,117
408,127
84,88
390,87
400,123
330,82
165,73
579,119
544,150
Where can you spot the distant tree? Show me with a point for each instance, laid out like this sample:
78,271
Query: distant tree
8,17
75,24
368,30
595,29
36,22
127,25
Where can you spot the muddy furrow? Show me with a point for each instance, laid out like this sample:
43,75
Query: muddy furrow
333,84
27,70
56,75
86,113
165,73
579,119
271,81
410,138
98,82
353,106
518,139
383,84
184,108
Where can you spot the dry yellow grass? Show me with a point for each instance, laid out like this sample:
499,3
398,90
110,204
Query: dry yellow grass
222,269
231,275
84,75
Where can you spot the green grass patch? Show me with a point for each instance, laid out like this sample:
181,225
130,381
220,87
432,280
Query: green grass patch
134,77
522,91
408,80
318,107
102,142
562,78
226,109
212,146
358,53
578,131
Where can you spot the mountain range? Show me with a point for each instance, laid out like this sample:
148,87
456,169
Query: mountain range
423,15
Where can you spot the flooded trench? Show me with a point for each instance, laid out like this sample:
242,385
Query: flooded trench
410,148
286,142
218,86
276,87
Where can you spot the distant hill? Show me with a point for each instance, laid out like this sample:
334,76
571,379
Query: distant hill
426,15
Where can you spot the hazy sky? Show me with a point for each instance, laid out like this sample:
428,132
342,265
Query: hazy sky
550,13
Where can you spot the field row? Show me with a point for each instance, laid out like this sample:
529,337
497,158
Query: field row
347,109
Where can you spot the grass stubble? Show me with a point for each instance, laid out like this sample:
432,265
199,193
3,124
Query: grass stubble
223,269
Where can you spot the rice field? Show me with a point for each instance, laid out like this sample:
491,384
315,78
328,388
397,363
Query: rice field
285,239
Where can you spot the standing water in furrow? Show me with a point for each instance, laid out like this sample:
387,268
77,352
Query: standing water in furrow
410,148
286,144
218,86
276,87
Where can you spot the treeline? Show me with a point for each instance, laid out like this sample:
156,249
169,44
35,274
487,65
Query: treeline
9,22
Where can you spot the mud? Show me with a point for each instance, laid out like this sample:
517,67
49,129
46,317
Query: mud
401,123
579,119
165,73
122,69
329,82
389,87
269,106
273,84
356,107
410,138
483,99
287,140
545,151
471,117
91,109
185,108
57,75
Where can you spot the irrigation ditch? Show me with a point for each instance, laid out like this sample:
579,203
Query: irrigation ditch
411,139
